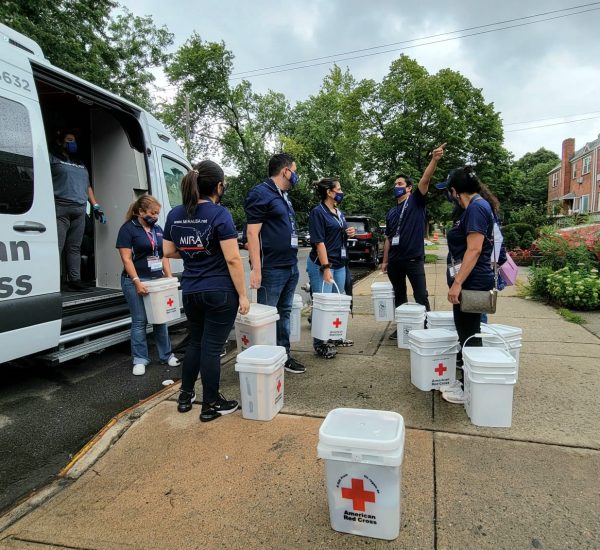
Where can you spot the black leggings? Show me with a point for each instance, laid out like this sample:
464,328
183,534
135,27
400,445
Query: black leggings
415,271
466,324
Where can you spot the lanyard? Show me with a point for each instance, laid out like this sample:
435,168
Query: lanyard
153,241
339,218
401,216
288,205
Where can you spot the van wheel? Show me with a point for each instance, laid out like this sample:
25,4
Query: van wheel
375,258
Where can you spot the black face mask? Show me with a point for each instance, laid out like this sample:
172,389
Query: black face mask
150,220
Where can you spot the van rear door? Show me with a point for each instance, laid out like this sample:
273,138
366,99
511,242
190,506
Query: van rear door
30,303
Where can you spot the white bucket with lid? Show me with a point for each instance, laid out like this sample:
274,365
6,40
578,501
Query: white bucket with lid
496,336
330,313
162,301
408,317
257,327
432,358
261,381
490,360
440,319
488,401
383,301
296,319
363,452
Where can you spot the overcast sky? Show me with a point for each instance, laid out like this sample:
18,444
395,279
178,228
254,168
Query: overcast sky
547,72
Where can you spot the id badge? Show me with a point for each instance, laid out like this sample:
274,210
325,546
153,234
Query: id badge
454,269
294,242
154,263
396,240
343,253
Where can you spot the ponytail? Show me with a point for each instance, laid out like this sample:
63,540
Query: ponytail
200,182
324,185
189,192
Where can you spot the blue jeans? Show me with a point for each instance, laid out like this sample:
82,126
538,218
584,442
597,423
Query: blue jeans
211,316
139,343
277,289
316,283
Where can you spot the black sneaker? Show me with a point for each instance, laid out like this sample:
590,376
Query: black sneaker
343,343
325,350
394,335
212,411
185,400
291,365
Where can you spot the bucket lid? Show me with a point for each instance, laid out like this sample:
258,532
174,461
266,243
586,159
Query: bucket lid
505,331
507,378
381,286
410,309
257,313
165,282
439,316
488,357
298,300
430,335
261,355
331,298
363,429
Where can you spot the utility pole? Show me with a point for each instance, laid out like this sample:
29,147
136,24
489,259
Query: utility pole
188,131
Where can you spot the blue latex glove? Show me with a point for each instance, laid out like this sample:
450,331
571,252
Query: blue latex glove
99,213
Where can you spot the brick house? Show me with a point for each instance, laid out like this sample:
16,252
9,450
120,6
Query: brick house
574,184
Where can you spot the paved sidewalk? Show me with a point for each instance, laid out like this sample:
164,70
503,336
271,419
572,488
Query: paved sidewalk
168,481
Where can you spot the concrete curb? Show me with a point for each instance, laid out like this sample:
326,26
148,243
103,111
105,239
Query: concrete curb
87,456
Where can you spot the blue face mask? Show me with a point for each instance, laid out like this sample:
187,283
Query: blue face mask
71,147
339,197
293,179
399,192
150,220
451,199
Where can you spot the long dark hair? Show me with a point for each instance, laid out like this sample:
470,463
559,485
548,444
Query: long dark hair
465,180
324,185
200,182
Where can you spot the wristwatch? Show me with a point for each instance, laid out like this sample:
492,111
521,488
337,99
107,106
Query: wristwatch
324,267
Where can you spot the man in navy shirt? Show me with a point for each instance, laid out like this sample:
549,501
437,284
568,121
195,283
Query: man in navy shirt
404,249
273,245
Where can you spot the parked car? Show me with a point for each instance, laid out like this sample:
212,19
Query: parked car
367,244
303,237
242,239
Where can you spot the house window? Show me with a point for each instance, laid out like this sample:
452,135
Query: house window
555,179
585,204
574,170
587,162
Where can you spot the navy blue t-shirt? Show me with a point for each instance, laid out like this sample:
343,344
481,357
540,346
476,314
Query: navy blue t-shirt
197,240
327,228
477,218
412,228
268,205
142,244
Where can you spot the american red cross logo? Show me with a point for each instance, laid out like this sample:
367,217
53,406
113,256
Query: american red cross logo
245,340
337,322
278,386
170,302
358,495
440,369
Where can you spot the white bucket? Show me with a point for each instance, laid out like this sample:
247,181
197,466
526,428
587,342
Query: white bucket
441,319
162,301
490,360
432,358
257,327
408,317
261,381
330,316
296,319
488,402
363,452
500,336
383,301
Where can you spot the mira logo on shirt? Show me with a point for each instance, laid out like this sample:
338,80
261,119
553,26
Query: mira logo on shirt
191,241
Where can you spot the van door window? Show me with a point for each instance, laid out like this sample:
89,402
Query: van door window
16,158
173,172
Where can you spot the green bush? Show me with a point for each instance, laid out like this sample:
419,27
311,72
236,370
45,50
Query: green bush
556,253
518,235
575,289
538,284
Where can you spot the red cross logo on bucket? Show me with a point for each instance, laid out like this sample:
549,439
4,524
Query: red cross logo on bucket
358,495
170,302
278,386
337,323
245,340
440,369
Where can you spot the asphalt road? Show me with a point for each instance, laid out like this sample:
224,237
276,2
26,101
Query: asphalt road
47,414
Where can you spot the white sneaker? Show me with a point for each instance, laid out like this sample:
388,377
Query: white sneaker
450,387
139,369
454,396
173,361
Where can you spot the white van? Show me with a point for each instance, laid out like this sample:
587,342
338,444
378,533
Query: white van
127,151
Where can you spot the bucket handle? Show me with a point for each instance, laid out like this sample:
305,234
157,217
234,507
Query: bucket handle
336,287
253,294
481,335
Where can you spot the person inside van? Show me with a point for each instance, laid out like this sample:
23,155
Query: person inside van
140,242
72,190
201,232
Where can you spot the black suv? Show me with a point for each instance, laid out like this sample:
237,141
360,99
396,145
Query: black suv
367,244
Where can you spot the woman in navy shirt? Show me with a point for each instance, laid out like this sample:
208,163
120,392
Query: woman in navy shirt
201,232
326,263
140,245
470,246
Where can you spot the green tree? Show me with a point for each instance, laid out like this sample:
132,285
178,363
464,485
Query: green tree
112,49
